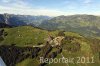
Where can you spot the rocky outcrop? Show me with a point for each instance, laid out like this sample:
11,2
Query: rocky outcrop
1,34
55,41
13,54
58,40
45,50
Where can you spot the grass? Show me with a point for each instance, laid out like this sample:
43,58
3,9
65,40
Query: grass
28,62
27,35
24,35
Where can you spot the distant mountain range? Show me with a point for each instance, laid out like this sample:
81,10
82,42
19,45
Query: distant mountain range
20,20
83,24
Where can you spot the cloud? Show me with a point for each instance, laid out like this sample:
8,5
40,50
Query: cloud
15,3
29,11
87,1
5,1
38,11
24,8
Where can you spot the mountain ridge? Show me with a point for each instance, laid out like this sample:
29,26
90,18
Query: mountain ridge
77,23
20,20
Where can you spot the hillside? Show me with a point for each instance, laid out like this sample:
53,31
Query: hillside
24,35
87,25
27,35
19,43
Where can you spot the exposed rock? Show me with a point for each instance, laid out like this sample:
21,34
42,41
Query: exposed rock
1,31
58,40
13,54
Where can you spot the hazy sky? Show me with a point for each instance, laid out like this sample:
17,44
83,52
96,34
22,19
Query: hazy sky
50,7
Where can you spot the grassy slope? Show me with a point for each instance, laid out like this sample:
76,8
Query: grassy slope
28,62
25,35
85,51
30,35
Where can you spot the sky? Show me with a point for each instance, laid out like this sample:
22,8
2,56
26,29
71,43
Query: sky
50,7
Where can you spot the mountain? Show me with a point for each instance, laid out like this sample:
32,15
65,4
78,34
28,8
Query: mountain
62,37
87,25
21,46
24,35
3,25
20,20
27,35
